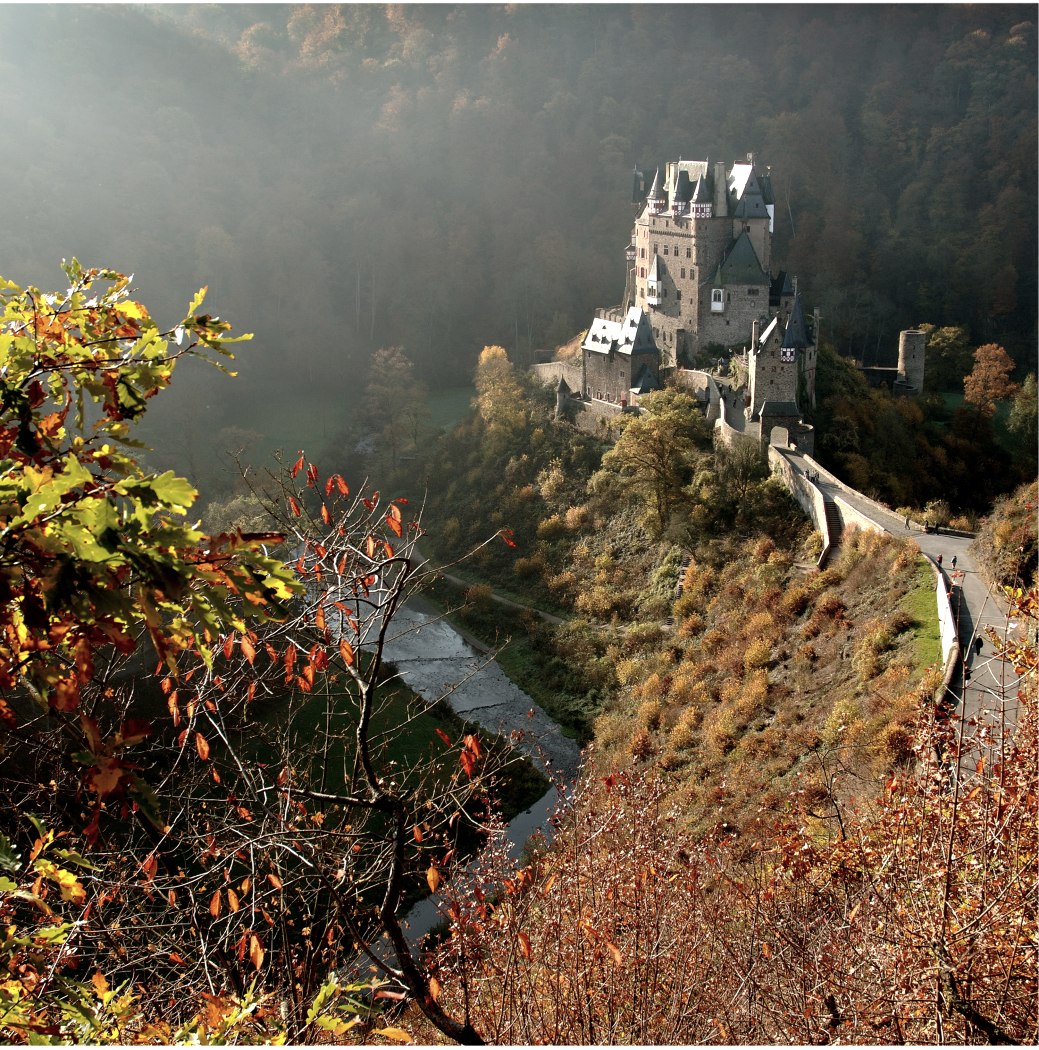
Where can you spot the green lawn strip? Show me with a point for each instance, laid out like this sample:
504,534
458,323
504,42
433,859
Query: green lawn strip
920,602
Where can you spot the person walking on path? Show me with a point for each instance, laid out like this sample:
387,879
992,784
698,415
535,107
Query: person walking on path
954,561
939,560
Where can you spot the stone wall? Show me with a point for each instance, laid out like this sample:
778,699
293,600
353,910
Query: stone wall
550,372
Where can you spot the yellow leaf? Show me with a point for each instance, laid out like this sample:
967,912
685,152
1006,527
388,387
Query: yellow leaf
434,988
432,878
398,1035
232,900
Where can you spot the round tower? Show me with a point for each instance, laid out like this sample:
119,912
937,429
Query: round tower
912,347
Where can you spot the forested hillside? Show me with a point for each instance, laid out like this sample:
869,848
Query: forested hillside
444,177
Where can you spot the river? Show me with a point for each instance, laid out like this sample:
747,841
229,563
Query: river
437,663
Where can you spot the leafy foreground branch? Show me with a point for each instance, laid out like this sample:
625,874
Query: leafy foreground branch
199,852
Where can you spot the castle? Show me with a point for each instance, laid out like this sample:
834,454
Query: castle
699,277
700,257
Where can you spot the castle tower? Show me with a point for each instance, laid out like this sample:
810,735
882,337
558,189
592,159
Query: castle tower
700,253
912,348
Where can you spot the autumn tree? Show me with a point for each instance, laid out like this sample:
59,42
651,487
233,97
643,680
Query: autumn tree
655,452
395,404
988,382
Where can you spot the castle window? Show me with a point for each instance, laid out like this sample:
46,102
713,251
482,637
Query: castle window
665,249
752,291
642,271
655,249
683,271
642,252
689,253
717,301
678,293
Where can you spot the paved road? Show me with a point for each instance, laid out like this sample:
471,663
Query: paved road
987,685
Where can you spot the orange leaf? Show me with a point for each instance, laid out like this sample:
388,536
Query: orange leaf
443,736
319,618
615,953
468,763
177,958
150,865
202,746
326,517
228,646
473,744
346,651
248,649
370,547
311,475
232,900
432,878
294,506
214,905
434,988
524,944
255,951
394,523
417,832
298,465
274,880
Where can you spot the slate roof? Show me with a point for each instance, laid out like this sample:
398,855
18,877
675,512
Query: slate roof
683,188
702,194
645,381
632,335
657,189
779,408
767,333
740,265
796,334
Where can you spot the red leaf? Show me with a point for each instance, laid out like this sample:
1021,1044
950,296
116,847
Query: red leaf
228,646
394,523
468,763
311,475
507,536
248,649
177,958
294,506
524,944
472,744
202,746
298,465
326,517
443,736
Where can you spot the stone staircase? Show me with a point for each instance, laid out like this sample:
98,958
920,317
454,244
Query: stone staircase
834,523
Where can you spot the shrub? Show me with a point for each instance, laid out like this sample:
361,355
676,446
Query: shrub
758,654
686,730
552,528
795,600
760,625
649,714
641,745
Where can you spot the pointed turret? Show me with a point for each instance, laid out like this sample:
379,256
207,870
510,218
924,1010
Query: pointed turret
796,336
657,198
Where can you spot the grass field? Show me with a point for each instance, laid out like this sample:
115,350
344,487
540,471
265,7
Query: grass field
920,603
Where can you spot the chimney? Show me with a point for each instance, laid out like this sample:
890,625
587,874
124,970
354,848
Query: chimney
721,191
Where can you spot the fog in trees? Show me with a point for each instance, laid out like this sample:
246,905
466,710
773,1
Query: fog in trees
442,178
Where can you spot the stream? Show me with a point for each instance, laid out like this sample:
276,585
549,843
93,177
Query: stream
437,663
